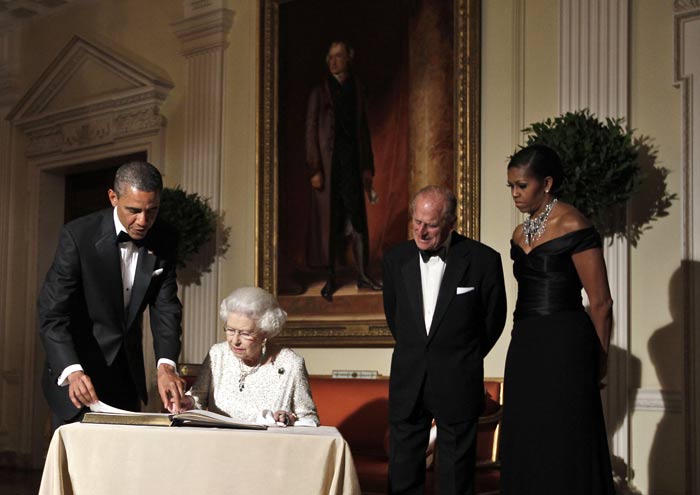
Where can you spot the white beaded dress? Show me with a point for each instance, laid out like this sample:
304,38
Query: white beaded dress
282,383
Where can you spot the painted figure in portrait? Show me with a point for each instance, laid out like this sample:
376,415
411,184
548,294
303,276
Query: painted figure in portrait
341,169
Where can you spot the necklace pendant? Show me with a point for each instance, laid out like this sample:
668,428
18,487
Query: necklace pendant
533,228
244,373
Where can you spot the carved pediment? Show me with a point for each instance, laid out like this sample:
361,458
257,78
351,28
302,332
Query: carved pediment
90,95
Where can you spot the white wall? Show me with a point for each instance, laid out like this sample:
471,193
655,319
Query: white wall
656,313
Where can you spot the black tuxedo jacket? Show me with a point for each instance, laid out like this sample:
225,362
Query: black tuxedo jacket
468,319
81,314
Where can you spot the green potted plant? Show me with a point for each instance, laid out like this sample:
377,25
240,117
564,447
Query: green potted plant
195,222
605,167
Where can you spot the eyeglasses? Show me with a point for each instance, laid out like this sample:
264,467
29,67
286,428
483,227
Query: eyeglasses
245,335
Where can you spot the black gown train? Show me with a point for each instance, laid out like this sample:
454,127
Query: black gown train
553,433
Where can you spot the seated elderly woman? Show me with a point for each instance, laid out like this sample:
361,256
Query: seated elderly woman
248,377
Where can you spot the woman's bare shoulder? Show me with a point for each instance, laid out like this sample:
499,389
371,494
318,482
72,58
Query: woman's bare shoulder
569,219
517,234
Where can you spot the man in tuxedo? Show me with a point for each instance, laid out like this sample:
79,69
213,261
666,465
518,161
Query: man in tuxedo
109,266
445,305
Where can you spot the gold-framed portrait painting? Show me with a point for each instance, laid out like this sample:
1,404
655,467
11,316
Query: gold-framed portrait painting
385,95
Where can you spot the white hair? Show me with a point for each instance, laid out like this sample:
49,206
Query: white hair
258,305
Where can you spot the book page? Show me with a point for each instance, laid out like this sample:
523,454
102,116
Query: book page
101,407
104,413
200,417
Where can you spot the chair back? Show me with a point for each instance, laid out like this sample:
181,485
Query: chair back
489,423
189,372
359,408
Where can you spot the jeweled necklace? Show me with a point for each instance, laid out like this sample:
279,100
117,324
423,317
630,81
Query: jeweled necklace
245,373
533,228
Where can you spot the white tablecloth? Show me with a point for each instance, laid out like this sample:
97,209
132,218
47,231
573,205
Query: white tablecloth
91,459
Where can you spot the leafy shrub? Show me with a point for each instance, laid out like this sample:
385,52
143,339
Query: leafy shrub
191,217
599,158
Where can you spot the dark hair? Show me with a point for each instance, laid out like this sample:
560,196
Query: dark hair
141,175
449,214
348,49
541,161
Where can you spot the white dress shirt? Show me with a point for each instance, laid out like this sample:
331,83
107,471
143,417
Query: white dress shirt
129,257
431,273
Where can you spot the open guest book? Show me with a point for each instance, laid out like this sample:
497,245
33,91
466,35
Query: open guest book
105,414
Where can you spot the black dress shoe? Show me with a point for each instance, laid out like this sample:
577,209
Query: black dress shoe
364,282
328,290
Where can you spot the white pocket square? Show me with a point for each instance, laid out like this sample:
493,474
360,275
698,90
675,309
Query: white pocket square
464,290
157,272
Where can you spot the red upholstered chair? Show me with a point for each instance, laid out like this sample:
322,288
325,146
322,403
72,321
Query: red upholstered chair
488,473
359,408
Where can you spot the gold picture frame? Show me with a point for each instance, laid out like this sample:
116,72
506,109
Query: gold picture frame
355,329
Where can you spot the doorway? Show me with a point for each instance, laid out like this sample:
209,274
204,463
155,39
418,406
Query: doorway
86,190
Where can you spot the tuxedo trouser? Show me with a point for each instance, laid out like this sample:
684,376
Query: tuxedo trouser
113,385
455,453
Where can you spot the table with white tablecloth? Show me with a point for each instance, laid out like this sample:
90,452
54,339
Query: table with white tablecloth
96,459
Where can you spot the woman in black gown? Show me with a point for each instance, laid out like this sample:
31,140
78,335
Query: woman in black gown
553,436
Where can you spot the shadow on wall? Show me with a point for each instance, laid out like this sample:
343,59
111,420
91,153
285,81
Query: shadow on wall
621,471
666,352
651,202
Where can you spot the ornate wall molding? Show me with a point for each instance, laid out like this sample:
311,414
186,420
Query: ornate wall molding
204,41
681,6
686,22
132,108
204,31
594,56
92,131
593,65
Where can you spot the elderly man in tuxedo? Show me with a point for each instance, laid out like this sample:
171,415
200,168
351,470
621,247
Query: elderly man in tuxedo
109,266
445,305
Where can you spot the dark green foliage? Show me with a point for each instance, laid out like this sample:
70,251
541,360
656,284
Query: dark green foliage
600,161
191,216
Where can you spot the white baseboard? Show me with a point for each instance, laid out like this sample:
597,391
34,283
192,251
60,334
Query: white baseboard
652,399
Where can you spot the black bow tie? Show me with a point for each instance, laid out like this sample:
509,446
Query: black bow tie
426,254
124,237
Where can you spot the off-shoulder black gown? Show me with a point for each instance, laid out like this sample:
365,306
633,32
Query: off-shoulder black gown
553,434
